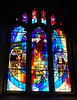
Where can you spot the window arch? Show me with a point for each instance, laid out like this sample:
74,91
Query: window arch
38,75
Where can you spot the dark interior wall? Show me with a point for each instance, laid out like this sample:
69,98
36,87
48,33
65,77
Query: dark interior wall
62,12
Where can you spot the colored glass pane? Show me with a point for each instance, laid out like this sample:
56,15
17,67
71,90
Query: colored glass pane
52,20
43,17
34,16
39,64
60,62
24,19
17,60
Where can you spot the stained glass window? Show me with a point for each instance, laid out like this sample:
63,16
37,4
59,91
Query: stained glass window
24,19
17,60
39,64
43,17
34,16
39,57
60,62
52,20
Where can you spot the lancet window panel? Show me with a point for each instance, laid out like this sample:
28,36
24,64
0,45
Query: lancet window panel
24,17
34,16
39,64
17,60
60,62
43,17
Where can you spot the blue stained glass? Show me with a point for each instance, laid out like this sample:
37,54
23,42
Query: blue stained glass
39,78
24,47
12,38
16,82
23,43
32,45
17,66
23,71
16,29
34,16
19,37
7,85
60,62
24,19
24,38
8,75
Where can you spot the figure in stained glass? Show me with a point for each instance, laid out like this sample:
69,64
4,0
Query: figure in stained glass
39,78
13,59
17,60
60,62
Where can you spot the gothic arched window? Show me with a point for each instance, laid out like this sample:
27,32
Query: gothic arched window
38,58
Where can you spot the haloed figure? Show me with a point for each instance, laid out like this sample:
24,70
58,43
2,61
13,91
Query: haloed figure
60,63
